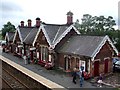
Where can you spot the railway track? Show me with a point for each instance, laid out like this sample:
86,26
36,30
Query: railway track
5,84
12,81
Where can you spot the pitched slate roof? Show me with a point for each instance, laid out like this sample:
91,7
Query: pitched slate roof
31,36
24,31
54,31
10,36
81,45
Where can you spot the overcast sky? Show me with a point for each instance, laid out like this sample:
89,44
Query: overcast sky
54,11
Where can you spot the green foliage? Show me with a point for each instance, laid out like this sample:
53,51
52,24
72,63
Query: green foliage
99,26
7,28
118,40
0,37
96,25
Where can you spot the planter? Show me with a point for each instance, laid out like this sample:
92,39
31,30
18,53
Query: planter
35,61
49,66
42,63
86,75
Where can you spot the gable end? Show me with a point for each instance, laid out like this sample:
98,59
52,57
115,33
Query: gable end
65,33
106,38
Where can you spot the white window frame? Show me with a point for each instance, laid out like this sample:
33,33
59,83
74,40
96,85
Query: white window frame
16,49
50,58
43,52
89,65
22,51
80,62
38,55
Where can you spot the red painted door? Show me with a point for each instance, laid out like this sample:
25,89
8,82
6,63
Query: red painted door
106,66
39,55
96,68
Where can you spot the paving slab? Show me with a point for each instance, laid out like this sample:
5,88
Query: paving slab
56,76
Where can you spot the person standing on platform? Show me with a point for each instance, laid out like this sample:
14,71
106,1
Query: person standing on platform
74,74
81,76
100,80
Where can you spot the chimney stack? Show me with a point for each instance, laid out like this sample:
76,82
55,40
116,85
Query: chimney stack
22,23
69,17
37,22
29,23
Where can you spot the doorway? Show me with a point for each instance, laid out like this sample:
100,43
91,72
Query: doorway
106,66
96,68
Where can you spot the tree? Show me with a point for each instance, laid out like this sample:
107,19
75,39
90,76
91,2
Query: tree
77,24
87,23
9,27
118,40
99,26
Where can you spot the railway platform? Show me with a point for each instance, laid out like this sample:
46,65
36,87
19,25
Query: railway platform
56,77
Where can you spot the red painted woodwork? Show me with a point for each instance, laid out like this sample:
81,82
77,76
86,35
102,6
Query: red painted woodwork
106,66
39,55
96,68
17,50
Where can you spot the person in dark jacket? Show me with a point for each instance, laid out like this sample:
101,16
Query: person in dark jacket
74,75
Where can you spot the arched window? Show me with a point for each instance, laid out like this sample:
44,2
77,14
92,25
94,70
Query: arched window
67,63
44,53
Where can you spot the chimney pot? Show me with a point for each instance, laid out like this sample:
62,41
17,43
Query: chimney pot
22,23
69,17
38,22
29,23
